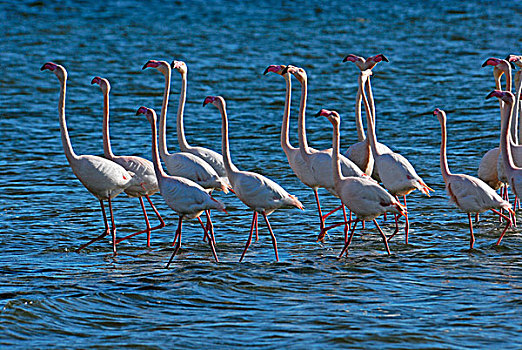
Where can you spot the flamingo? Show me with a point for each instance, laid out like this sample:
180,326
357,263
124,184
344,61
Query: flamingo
142,169
187,198
360,152
363,196
259,193
293,154
102,177
517,60
397,174
319,162
468,193
214,159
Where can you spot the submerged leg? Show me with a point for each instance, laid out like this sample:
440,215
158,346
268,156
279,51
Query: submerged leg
274,242
104,234
249,240
177,241
471,235
383,236
349,239
507,225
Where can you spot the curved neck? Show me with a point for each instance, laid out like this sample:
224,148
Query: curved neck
336,165
361,136
505,118
225,149
518,87
158,169
163,117
66,141
301,123
107,151
285,140
372,137
370,98
180,128
444,168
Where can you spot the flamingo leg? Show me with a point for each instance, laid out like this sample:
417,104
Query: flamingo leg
396,227
257,231
383,236
274,242
209,231
476,217
148,229
471,235
333,211
407,223
177,238
349,239
507,225
210,227
113,228
254,219
346,226
321,219
104,234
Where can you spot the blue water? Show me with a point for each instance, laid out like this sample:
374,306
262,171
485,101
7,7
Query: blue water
432,293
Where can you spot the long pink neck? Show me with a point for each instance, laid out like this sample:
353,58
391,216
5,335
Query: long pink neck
336,164
107,151
518,87
158,169
66,141
183,145
285,139
301,123
507,157
372,137
230,168
361,136
370,98
444,168
163,117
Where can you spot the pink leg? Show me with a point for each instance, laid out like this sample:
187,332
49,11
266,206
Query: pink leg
104,234
507,225
396,227
346,226
471,235
257,231
321,220
113,228
274,242
477,217
148,229
177,238
210,227
254,219
209,233
332,211
349,239
383,237
407,223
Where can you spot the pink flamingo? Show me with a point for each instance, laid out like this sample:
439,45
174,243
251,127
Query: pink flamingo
182,195
363,196
470,194
102,177
256,191
142,169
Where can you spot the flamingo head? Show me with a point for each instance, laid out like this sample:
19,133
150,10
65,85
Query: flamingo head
215,100
439,113
162,66
105,86
498,63
58,70
515,60
180,66
506,96
297,72
276,68
358,60
148,112
332,116
373,60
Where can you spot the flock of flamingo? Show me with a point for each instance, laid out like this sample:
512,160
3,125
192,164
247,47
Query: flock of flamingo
354,177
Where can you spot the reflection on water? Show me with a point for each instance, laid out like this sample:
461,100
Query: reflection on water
433,293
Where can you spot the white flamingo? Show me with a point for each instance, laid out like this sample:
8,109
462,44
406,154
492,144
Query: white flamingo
188,199
259,193
214,159
360,152
470,194
517,60
142,169
319,162
361,195
397,174
102,177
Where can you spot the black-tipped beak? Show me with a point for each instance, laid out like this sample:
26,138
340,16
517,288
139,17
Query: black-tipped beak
485,63
490,94
285,70
145,65
384,58
43,67
318,114
266,71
